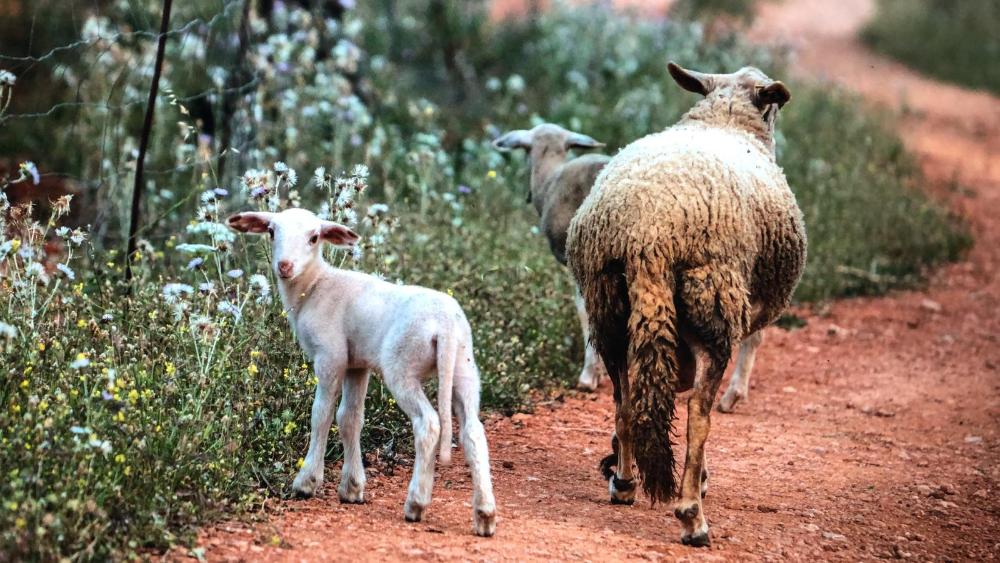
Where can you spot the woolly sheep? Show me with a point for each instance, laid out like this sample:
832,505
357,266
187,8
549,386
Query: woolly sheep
557,189
690,241
349,323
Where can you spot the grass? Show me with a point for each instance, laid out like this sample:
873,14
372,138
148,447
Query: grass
953,41
126,421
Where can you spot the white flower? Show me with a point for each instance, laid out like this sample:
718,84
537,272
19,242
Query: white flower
78,237
235,274
377,209
280,167
350,217
262,286
103,445
292,177
79,429
67,271
62,231
35,269
217,231
7,331
28,168
230,309
356,253
7,78
195,248
80,362
319,176
172,292
360,170
515,83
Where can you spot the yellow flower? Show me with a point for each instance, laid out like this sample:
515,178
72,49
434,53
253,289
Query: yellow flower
43,405
120,458
120,417
21,523
300,463
81,356
290,427
78,289
158,428
128,470
11,506
15,245
252,369
255,354
133,396
28,370
41,346
171,369
491,174
16,408
25,384
81,323
450,292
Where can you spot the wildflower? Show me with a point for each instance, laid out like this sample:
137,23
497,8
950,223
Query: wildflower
78,237
41,346
235,274
28,168
62,232
360,171
491,174
7,78
172,292
254,354
252,369
35,269
67,271
80,362
98,444
106,395
290,427
170,368
206,288
319,176
377,209
196,248
61,204
220,192
357,253
350,216
280,167
262,286
463,189
515,84
7,331
80,323
128,470
106,318
195,263
228,308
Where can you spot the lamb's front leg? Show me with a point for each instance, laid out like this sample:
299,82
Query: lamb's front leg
350,419
330,373
593,367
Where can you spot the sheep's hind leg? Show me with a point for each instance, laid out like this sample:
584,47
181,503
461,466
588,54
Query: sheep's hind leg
477,455
621,484
350,419
330,373
593,368
405,388
739,385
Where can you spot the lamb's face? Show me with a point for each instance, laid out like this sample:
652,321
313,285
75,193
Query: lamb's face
545,138
295,235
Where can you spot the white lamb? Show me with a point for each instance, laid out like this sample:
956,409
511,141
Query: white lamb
349,323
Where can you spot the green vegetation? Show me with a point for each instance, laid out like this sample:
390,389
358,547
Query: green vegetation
955,41
127,420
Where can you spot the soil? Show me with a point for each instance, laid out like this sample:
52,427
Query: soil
872,432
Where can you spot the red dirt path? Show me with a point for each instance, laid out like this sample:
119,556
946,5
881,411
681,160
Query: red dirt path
871,433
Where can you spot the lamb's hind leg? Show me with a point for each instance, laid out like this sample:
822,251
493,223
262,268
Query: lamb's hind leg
350,419
473,437
739,385
330,373
405,387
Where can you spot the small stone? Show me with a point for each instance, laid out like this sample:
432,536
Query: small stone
913,536
836,331
810,527
521,418
973,439
765,508
947,489
930,305
788,389
925,490
981,494
508,465
834,537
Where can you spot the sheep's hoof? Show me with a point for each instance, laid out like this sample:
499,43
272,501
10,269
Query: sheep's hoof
351,492
484,523
622,491
686,513
306,487
413,512
350,499
729,400
698,539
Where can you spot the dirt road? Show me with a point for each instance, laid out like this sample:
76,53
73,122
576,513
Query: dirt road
871,433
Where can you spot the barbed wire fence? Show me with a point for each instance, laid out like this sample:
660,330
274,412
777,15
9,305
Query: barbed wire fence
77,80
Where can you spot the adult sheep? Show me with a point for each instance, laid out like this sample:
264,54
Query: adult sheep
690,241
558,187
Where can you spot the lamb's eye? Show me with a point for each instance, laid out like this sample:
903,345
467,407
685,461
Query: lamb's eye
314,239
270,232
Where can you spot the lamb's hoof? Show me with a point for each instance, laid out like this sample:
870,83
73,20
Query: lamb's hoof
622,491
587,382
413,512
306,487
728,402
698,539
484,522
350,492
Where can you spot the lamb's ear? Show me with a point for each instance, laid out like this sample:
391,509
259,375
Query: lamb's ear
691,80
337,234
581,141
250,222
774,93
518,139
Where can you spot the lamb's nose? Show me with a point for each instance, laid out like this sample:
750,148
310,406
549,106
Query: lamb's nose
284,268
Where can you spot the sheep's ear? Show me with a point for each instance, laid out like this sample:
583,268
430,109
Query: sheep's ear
690,80
581,141
337,234
250,222
774,93
519,139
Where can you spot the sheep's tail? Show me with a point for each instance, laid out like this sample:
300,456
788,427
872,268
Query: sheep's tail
652,375
447,355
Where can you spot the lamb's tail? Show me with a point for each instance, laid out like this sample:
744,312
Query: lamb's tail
652,375
447,355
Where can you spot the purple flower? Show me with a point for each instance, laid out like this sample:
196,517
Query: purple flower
106,395
219,192
195,263
258,192
463,189
356,140
234,273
